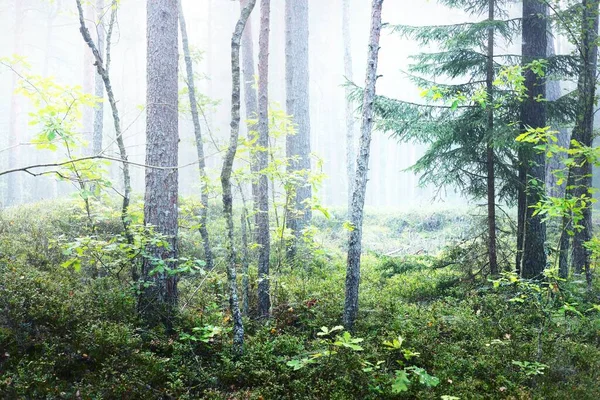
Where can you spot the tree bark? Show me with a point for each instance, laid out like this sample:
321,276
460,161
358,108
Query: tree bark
208,255
583,133
533,115
298,106
238,326
491,182
158,301
362,169
349,75
262,226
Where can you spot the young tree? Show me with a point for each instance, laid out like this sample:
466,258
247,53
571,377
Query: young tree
532,230
362,168
349,75
208,255
159,297
297,105
103,69
238,326
262,220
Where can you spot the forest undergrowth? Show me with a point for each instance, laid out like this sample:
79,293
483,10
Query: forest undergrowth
431,325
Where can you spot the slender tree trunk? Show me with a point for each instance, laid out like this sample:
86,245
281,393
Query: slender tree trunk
245,263
533,114
491,182
521,206
556,163
262,226
564,244
583,133
208,255
99,82
349,74
13,189
103,68
362,169
250,100
89,72
158,302
238,326
297,105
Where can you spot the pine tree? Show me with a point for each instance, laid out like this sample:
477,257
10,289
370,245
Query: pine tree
158,301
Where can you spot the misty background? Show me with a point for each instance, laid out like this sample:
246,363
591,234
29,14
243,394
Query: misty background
47,34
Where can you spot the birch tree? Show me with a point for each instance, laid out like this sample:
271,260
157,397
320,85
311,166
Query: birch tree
103,70
238,326
362,168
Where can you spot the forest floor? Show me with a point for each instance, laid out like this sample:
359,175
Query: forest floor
431,325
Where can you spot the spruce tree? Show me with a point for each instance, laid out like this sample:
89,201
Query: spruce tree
471,147
469,121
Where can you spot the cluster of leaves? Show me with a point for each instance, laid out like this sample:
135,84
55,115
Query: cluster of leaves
379,371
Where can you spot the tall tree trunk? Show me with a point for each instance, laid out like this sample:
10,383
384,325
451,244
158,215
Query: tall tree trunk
297,105
250,100
208,255
13,189
262,226
362,169
99,82
556,163
238,326
533,115
103,69
349,74
491,182
583,133
158,302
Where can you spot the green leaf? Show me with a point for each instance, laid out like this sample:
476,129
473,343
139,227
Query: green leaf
400,383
